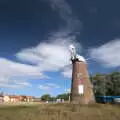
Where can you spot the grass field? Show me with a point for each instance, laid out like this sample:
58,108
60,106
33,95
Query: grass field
60,112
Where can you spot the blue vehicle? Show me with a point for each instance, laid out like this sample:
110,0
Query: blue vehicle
106,99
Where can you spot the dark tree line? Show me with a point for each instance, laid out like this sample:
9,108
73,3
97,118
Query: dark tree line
47,97
106,84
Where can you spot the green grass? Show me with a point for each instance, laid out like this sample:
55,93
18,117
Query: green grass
60,112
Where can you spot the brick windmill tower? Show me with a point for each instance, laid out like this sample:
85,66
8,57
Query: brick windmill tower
81,88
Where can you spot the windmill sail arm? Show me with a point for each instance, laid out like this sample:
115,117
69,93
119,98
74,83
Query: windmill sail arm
72,51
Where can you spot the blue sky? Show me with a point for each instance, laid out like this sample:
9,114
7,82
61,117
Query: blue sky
34,40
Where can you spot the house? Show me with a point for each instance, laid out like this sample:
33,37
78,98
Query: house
6,98
36,99
26,98
11,98
29,98
15,98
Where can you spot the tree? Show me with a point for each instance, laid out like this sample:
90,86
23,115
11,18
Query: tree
106,84
52,98
99,84
45,97
63,96
115,83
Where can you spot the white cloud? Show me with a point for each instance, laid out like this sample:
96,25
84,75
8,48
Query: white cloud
12,70
53,85
3,85
67,72
16,85
62,7
44,88
107,54
68,90
52,56
47,56
23,83
65,12
48,86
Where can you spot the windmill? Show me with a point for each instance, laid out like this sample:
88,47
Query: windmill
81,87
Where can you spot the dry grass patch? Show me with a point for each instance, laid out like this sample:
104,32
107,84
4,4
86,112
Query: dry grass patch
60,112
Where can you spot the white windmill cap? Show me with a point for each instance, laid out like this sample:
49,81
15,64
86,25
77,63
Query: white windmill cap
80,58
71,46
